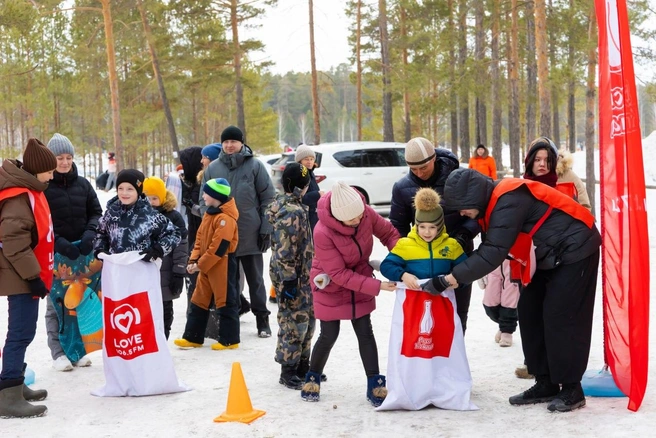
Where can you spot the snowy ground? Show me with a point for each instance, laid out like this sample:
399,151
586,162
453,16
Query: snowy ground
343,410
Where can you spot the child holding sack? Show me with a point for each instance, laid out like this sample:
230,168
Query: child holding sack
214,259
174,265
427,359
289,268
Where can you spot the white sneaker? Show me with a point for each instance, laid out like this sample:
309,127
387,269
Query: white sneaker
83,362
62,364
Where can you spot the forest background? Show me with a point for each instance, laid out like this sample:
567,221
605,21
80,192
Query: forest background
146,78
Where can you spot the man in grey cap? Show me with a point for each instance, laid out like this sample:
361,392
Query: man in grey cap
430,167
253,192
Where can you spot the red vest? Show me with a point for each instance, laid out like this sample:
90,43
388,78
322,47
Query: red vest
522,253
44,251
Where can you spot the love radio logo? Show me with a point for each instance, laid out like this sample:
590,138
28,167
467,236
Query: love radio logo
129,327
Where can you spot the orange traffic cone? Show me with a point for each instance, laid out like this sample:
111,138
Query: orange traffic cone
272,292
239,402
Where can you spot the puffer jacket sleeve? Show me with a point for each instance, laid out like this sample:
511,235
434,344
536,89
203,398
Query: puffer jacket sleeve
180,252
165,234
384,230
332,263
16,226
94,211
393,267
265,193
101,243
401,215
506,222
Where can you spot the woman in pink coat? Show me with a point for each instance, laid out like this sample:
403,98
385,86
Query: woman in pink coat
343,285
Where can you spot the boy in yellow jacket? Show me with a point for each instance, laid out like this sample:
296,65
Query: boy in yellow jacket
214,258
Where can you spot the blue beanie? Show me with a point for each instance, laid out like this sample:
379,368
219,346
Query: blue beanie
212,151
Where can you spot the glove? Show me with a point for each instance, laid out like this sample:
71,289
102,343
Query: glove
463,239
86,242
187,202
264,242
375,264
175,284
482,282
38,288
289,291
152,253
66,248
322,280
436,286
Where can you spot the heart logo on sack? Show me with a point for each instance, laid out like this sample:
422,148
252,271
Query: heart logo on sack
121,323
129,327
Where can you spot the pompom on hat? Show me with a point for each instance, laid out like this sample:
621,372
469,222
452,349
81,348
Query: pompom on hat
419,151
154,186
218,189
345,202
60,144
428,208
37,158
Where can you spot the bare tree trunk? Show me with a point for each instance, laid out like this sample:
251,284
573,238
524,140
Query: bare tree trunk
590,95
160,82
531,71
239,91
358,61
463,95
513,73
113,82
481,110
388,125
453,95
496,87
406,93
571,89
315,85
544,88
555,132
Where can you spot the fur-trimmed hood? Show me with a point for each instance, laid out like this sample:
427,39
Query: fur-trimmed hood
565,163
170,202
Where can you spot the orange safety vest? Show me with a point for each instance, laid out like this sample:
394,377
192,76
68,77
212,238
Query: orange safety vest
522,252
44,251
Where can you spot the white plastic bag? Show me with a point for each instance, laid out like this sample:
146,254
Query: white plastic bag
427,362
136,358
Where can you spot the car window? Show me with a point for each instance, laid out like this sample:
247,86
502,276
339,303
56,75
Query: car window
380,158
349,158
400,153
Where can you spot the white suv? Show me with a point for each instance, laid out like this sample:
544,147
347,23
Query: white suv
370,166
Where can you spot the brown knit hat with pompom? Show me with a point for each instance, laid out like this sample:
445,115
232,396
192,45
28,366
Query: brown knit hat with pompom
428,209
37,158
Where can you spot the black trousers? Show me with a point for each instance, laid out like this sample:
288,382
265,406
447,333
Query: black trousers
254,270
463,298
555,320
504,316
168,317
366,343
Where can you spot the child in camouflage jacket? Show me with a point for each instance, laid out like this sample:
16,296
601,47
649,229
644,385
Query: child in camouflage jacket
289,268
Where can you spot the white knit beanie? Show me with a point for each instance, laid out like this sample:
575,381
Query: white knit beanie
419,151
345,202
304,151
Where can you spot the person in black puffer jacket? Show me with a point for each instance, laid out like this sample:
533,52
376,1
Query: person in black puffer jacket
75,212
191,166
430,167
556,303
174,266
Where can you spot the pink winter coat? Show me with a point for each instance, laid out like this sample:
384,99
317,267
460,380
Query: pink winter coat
343,253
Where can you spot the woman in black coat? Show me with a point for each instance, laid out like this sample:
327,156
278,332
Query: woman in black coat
75,212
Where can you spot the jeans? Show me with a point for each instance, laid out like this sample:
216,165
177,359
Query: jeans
23,315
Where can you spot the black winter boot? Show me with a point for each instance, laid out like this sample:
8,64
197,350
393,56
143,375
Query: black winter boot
263,329
12,403
542,392
571,397
30,394
289,378
376,390
312,387
304,367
